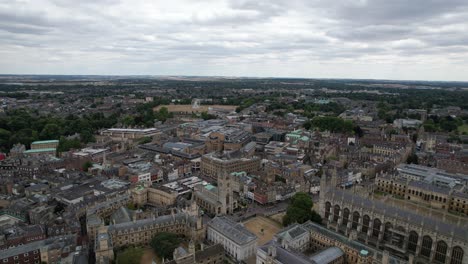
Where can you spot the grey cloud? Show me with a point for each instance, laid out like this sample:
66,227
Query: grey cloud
389,12
229,35
24,29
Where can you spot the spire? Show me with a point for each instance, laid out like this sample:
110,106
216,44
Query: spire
191,247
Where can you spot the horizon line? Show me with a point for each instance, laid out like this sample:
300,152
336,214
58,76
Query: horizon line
226,76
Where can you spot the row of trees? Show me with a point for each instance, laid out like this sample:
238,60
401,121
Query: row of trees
330,123
23,126
444,124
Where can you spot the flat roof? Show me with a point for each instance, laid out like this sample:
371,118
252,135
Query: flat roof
209,187
132,129
45,142
40,150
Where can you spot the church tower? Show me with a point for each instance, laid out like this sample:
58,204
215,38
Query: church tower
323,190
225,193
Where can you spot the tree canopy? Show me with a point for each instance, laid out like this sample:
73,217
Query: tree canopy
23,126
164,244
300,210
330,123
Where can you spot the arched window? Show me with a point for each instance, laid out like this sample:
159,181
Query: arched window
441,252
426,246
327,210
376,227
365,223
412,241
355,220
457,255
387,232
336,213
345,216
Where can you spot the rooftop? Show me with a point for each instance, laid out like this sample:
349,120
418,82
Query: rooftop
232,230
45,142
328,255
40,150
130,130
408,216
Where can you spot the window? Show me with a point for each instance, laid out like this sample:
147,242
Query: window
426,246
457,255
441,251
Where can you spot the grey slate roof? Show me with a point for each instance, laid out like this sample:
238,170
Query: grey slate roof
161,220
122,215
328,255
232,230
429,187
294,230
405,215
285,256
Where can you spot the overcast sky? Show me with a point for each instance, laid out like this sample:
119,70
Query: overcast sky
381,39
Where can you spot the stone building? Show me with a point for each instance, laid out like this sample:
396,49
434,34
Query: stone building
273,252
140,232
213,164
44,144
403,233
227,139
210,255
126,134
422,192
217,200
187,222
237,241
312,243
156,196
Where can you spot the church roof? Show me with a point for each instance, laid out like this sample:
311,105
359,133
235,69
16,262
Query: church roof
430,223
232,230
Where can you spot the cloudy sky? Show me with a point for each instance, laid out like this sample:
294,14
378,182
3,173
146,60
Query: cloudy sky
382,39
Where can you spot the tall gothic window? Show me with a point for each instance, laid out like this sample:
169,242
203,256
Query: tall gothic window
457,255
413,241
441,252
426,246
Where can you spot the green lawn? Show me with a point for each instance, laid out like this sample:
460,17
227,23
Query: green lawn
463,128
131,255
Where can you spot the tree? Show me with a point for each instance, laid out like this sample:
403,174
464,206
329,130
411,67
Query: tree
4,138
50,131
358,131
333,124
300,210
412,158
163,114
144,140
207,116
87,165
67,144
164,244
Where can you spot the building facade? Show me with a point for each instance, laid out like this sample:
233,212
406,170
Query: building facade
404,234
212,165
238,242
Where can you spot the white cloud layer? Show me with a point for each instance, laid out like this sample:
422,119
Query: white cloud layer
398,39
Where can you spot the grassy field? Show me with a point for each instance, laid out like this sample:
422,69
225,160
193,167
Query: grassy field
463,128
131,255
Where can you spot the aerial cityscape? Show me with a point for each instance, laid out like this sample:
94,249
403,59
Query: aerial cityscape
254,132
